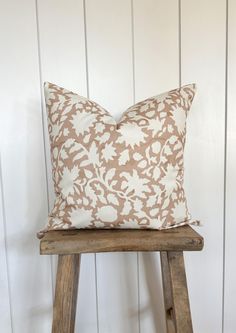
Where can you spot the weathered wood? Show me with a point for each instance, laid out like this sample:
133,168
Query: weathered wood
65,300
171,243
90,241
167,293
179,292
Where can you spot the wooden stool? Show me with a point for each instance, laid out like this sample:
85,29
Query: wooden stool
171,243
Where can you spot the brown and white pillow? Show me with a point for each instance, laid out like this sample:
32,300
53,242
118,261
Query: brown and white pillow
118,175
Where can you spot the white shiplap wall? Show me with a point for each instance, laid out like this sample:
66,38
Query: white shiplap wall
203,26
116,52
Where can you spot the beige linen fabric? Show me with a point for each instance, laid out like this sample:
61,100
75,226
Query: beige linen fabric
118,175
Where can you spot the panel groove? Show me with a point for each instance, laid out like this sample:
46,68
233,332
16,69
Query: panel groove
88,96
180,44
132,51
5,246
138,286
96,289
86,48
225,159
134,100
43,128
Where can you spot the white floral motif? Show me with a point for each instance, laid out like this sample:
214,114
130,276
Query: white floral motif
108,152
179,211
129,224
80,217
107,214
66,132
82,121
155,125
131,135
135,184
127,208
124,157
76,99
55,130
169,179
179,117
67,183
99,127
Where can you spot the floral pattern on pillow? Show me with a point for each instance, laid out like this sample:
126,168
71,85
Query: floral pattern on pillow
126,174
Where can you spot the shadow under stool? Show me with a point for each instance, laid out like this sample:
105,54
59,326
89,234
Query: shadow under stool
70,244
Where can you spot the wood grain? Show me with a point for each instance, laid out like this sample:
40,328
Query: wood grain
167,292
64,307
87,241
174,262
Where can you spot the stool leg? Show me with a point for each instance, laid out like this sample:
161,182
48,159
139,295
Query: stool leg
64,307
168,299
176,292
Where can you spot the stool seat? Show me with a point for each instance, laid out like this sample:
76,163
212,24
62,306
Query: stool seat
93,241
70,244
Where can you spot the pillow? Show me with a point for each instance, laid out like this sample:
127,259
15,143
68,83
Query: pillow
126,174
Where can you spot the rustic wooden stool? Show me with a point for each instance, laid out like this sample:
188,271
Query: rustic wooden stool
171,243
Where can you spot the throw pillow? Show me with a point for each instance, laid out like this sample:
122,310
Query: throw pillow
126,174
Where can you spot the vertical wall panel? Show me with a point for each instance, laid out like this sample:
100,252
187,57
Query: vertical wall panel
156,70
110,54
230,234
110,84
203,62
4,284
61,30
62,49
23,168
156,39
62,53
